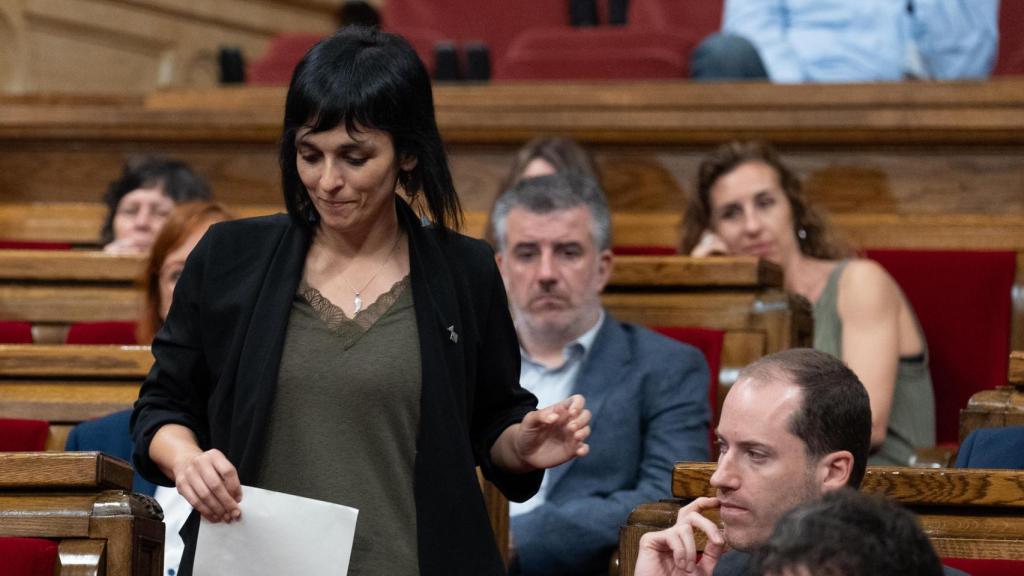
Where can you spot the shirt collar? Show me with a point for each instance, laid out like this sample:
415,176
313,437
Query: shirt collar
578,347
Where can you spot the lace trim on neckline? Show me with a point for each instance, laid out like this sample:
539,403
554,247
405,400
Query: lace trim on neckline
336,319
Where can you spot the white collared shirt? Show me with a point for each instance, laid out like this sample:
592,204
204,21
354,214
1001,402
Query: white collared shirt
551,385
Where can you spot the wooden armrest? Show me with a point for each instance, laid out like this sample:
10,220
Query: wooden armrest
933,457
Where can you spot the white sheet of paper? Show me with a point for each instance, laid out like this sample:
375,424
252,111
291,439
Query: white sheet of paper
278,534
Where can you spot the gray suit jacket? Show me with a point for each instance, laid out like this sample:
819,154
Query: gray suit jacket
649,398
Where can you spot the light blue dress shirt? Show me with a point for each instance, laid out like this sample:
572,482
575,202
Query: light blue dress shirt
868,40
551,385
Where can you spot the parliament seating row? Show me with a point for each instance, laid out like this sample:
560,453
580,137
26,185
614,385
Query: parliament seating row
973,517
934,148
740,296
79,506
998,407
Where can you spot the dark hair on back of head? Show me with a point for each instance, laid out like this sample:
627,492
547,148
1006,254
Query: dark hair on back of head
846,533
363,78
174,177
835,412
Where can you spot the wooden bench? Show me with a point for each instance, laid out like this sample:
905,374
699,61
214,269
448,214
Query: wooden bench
1003,406
741,296
906,148
65,385
972,513
84,501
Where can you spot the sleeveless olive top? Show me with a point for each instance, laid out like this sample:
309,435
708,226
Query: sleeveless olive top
912,418
345,418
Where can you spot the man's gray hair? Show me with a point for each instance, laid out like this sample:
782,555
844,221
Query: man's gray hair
545,194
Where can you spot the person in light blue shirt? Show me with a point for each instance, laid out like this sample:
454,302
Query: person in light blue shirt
792,41
553,240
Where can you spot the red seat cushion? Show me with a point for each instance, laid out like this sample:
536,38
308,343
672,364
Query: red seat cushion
696,18
495,22
15,332
1010,60
644,250
595,54
32,245
986,566
708,341
963,301
23,436
27,556
116,333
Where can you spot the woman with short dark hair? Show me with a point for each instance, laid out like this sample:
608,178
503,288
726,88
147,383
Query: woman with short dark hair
142,198
350,352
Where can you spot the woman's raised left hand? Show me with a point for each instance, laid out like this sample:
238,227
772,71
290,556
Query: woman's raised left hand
546,437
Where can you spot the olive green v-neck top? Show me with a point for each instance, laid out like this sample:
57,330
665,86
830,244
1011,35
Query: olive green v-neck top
912,416
345,418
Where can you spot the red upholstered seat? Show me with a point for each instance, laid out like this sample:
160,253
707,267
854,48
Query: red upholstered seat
1010,61
14,332
986,566
644,250
33,245
495,22
23,436
962,300
595,54
117,333
27,556
708,341
283,53
693,18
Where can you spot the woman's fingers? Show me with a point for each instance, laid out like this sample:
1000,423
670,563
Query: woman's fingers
210,484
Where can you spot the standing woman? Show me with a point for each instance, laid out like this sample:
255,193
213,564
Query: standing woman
347,352
748,202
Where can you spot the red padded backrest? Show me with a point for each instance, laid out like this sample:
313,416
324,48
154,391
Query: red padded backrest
986,566
495,22
963,302
27,556
23,436
696,18
594,54
1010,60
277,63
644,250
15,332
117,333
708,341
33,245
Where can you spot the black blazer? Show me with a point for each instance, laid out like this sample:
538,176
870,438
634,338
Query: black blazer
218,355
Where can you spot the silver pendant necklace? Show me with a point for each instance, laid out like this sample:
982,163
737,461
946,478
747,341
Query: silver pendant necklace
358,300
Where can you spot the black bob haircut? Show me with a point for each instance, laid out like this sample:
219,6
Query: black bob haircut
363,78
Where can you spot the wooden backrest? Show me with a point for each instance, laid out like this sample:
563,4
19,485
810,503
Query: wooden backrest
966,513
83,501
1002,406
740,296
65,385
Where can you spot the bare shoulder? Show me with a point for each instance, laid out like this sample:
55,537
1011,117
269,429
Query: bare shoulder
866,287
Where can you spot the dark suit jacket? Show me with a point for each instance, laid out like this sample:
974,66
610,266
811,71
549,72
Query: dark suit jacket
110,435
648,396
993,448
218,355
